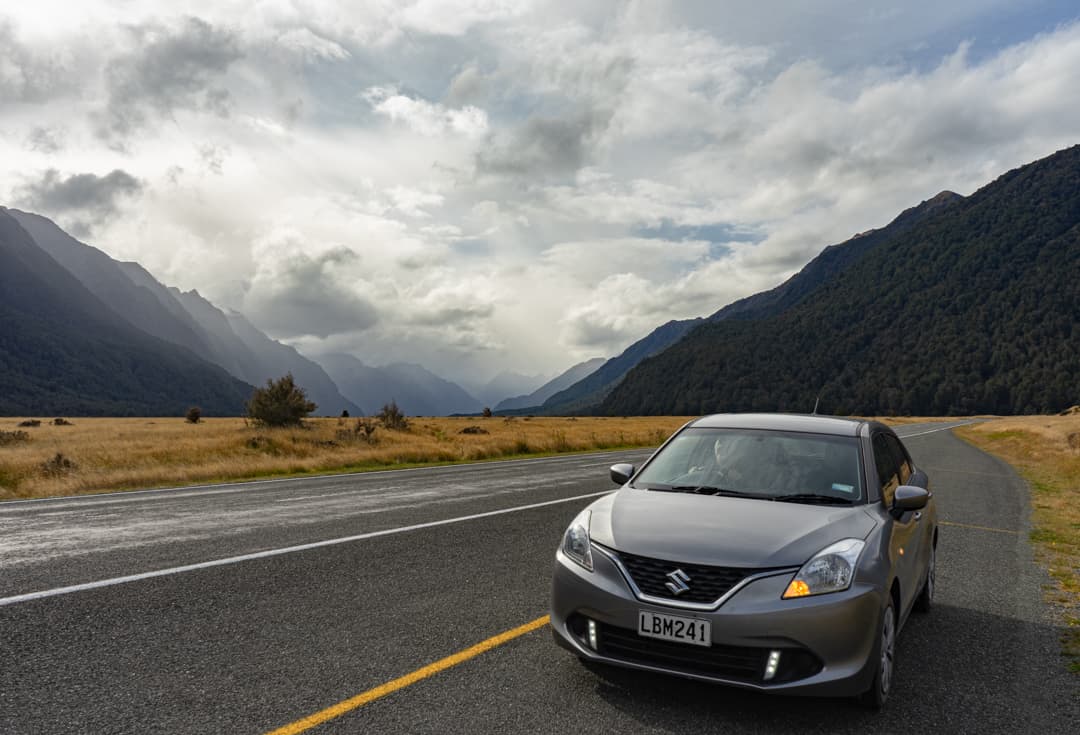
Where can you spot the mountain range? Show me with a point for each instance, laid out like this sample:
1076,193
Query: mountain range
503,385
132,305
416,390
186,320
972,306
63,351
959,305
585,395
572,376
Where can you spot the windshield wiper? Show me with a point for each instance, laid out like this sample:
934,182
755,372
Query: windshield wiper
813,498
713,490
704,490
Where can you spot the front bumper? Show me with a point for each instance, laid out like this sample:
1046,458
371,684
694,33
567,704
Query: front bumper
827,642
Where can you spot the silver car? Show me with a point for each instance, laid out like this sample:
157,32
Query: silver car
774,552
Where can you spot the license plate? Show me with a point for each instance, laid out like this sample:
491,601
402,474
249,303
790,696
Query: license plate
674,628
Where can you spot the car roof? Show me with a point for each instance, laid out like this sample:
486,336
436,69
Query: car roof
782,422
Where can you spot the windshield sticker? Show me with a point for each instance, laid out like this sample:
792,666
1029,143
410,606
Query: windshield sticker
843,488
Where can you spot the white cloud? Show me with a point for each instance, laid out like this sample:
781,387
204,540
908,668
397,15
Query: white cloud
310,46
454,17
427,118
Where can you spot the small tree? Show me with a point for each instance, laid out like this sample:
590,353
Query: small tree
487,412
281,403
391,417
193,415
345,414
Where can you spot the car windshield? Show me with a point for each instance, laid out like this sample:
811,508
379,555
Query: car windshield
774,465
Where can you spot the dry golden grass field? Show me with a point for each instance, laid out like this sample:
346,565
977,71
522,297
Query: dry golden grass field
98,454
1046,451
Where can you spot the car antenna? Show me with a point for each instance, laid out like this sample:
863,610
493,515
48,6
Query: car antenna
816,402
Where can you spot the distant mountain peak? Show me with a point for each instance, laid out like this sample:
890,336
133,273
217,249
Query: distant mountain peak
416,389
572,375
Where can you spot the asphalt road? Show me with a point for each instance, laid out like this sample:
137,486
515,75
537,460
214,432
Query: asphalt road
397,570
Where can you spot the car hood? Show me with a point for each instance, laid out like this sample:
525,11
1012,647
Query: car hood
721,531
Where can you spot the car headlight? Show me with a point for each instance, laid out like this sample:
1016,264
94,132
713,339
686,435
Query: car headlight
830,570
576,543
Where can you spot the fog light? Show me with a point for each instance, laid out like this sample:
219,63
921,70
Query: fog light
772,664
592,635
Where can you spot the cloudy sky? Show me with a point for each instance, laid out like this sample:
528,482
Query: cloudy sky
479,185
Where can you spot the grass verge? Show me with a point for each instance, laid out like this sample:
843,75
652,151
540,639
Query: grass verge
1045,450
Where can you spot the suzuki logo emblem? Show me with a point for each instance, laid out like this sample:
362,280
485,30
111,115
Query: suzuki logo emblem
678,583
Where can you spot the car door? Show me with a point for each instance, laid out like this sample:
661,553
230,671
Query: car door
923,527
903,527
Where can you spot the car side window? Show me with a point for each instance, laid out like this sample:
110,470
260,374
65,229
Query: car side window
887,468
902,460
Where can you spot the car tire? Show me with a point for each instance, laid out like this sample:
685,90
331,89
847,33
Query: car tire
925,600
875,697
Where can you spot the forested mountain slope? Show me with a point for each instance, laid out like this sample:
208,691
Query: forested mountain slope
832,261
975,309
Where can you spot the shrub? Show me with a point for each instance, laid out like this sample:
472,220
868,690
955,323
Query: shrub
13,437
474,430
281,403
391,417
62,422
364,429
345,414
193,415
58,466
487,412
30,423
367,427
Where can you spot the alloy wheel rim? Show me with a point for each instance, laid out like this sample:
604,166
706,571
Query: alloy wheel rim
888,641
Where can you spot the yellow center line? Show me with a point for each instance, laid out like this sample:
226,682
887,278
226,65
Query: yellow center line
390,687
978,528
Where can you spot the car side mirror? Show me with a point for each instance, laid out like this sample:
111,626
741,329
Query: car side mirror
909,497
621,473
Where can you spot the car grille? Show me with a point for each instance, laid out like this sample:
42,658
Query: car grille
739,663
707,584
731,663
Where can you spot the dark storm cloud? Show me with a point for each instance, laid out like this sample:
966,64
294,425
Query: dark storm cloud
543,146
558,144
81,201
304,295
45,140
28,74
453,316
171,69
590,333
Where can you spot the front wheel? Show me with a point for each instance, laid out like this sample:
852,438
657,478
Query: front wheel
876,696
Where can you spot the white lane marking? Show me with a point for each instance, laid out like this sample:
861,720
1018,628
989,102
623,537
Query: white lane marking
226,487
932,431
278,552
